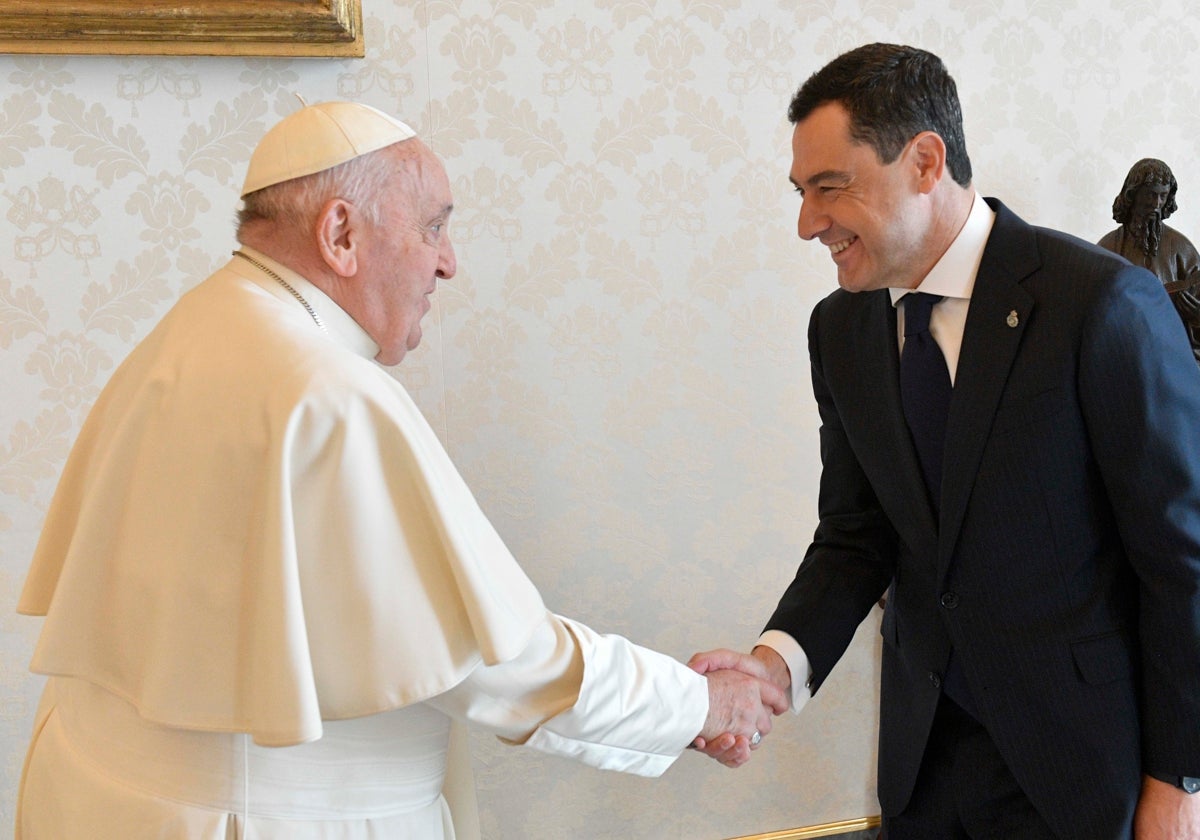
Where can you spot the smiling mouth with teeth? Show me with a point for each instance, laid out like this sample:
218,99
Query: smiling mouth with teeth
838,247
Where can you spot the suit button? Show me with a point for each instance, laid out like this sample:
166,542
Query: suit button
950,600
935,679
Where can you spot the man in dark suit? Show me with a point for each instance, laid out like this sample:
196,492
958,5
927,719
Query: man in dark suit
1038,537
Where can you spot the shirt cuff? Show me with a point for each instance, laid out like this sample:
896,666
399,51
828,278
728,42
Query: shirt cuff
636,712
797,662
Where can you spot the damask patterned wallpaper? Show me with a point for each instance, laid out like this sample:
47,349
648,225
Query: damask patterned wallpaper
619,368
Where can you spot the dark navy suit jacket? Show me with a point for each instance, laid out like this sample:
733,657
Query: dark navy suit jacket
1064,570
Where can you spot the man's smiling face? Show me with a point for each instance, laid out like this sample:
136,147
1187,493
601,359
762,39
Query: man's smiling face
869,214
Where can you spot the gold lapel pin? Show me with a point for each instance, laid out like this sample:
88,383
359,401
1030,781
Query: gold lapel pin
1013,320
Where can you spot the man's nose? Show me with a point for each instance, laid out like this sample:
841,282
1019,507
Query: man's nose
447,263
811,222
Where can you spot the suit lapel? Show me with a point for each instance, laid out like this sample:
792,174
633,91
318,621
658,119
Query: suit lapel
996,320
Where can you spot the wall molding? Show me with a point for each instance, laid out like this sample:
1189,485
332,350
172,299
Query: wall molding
823,830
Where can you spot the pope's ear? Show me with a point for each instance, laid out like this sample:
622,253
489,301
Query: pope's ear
338,230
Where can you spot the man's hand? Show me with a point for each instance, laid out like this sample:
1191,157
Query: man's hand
1165,812
765,670
739,705
762,662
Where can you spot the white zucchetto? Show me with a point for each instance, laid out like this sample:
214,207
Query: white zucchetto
318,137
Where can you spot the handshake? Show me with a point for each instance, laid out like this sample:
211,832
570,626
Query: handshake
744,691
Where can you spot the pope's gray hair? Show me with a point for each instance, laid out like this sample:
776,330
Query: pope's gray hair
295,203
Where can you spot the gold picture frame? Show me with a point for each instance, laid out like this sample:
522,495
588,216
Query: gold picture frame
319,28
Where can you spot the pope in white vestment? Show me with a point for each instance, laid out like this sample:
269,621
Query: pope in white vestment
268,594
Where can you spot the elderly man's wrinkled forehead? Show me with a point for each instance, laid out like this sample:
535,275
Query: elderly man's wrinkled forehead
418,173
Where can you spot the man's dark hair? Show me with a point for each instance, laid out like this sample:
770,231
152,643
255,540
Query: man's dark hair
892,93
1145,171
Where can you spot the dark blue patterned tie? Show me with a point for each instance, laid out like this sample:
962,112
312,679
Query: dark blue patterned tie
925,389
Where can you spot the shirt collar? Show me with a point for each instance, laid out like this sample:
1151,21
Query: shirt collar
954,274
338,323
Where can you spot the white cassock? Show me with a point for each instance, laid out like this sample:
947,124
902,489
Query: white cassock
268,593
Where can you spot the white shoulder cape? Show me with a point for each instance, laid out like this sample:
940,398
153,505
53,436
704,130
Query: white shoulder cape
257,530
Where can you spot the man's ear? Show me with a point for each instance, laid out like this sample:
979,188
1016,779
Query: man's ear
929,155
338,231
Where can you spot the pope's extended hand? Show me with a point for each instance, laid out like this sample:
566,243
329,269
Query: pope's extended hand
742,699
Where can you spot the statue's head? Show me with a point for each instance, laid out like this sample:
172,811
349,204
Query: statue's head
1149,188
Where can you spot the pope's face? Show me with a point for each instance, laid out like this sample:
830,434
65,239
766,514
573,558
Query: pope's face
407,251
868,214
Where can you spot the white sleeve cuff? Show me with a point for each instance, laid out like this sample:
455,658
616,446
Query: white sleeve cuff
637,708
595,698
797,662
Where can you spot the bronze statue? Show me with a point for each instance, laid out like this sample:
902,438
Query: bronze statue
1146,200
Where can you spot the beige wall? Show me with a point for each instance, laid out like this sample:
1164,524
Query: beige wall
619,368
